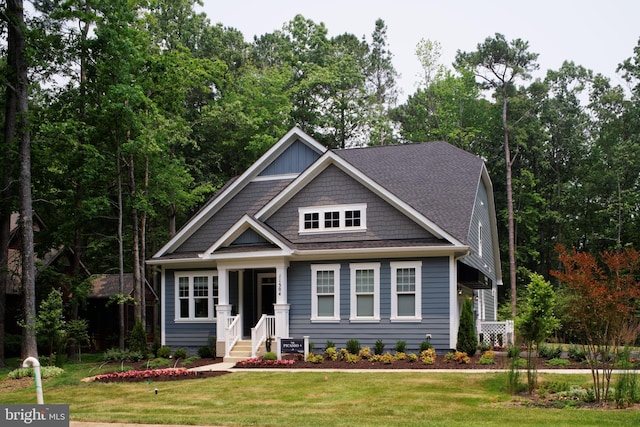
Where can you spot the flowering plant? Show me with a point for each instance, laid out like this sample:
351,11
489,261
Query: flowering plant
259,361
146,374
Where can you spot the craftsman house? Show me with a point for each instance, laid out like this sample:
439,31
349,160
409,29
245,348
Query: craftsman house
366,243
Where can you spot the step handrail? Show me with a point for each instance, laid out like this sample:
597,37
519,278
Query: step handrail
264,329
232,334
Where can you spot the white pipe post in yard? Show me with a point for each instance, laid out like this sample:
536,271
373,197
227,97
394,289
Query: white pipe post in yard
33,362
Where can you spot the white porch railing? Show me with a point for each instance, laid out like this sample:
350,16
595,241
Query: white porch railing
496,334
265,328
232,334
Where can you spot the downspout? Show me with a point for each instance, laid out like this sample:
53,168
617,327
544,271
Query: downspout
33,362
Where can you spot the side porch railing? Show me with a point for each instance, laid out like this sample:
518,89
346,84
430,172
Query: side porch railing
232,334
496,334
265,328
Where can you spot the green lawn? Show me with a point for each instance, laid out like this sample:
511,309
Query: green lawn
314,398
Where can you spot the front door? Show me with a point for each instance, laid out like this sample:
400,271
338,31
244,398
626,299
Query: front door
266,293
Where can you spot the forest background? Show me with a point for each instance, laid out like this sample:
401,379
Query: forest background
139,111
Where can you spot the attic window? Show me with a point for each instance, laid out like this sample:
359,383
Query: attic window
335,218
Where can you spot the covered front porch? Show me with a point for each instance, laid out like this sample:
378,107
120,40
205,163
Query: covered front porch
252,304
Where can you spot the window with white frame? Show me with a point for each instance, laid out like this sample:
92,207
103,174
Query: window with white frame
196,295
406,290
365,292
325,292
336,218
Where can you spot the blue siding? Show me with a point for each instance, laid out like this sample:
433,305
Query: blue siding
435,309
295,159
191,335
248,237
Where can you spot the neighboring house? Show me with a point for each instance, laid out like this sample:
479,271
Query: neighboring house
103,313
365,243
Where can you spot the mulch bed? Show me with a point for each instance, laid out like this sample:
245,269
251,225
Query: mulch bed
501,363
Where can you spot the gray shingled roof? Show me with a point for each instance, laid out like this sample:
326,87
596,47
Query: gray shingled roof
435,178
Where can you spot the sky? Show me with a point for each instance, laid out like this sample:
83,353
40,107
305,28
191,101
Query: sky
596,34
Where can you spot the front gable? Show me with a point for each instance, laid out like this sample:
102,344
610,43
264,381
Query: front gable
288,157
333,188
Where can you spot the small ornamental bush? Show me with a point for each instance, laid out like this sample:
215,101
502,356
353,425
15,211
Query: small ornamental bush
576,353
352,358
460,357
315,358
549,351
158,363
556,361
343,354
428,356
425,345
180,353
387,358
189,360
375,358
164,351
138,340
204,352
269,356
401,346
487,358
365,352
400,356
353,346
45,372
412,357
378,348
329,344
331,353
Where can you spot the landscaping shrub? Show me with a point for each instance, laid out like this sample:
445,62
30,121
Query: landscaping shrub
412,357
158,363
45,372
353,346
315,358
401,346
549,351
329,344
425,345
400,355
204,352
331,353
352,358
212,346
365,353
269,356
487,358
164,351
467,338
513,351
180,353
138,340
378,348
117,355
577,353
557,362
428,356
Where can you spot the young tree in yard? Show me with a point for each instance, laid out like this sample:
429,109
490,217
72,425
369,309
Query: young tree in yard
499,64
536,322
50,323
602,306
467,338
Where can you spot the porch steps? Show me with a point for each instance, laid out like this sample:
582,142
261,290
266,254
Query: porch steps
241,351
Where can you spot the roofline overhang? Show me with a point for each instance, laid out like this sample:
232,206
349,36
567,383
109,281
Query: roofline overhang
319,254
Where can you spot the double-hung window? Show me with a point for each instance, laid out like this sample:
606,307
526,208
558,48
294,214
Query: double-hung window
196,295
325,292
365,292
406,287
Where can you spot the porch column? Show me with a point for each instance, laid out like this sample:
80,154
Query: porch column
223,309
281,307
